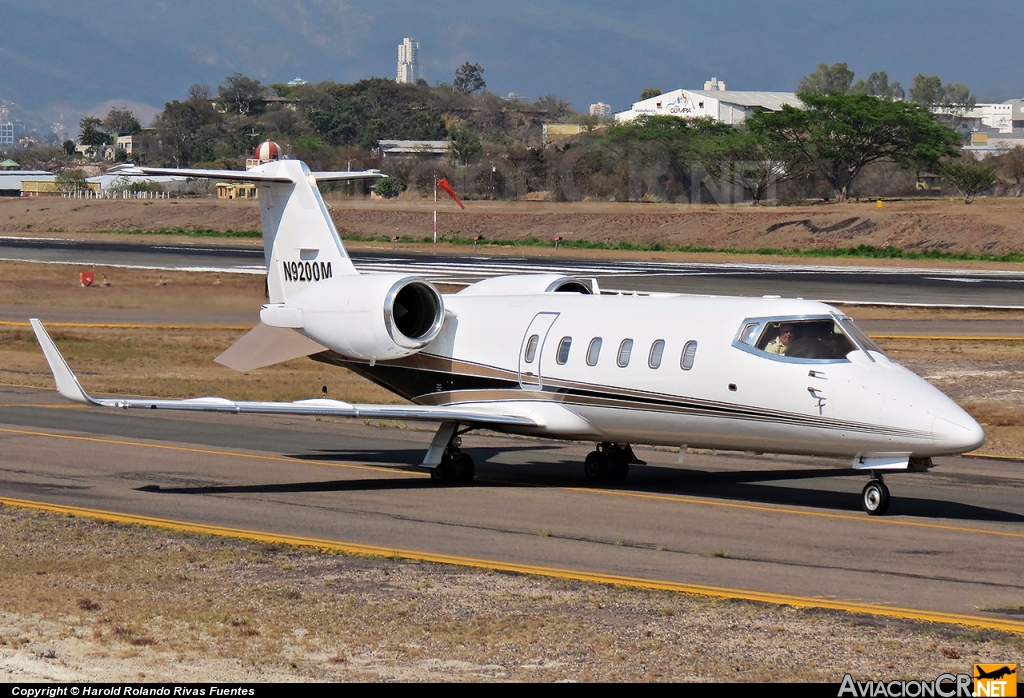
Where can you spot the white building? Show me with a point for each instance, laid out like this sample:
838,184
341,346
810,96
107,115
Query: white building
728,106
601,110
409,69
7,134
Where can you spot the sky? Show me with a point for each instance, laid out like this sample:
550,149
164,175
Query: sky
63,59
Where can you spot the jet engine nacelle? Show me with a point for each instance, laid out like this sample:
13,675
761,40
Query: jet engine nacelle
525,284
370,317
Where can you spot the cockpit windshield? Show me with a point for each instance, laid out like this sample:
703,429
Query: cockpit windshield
815,338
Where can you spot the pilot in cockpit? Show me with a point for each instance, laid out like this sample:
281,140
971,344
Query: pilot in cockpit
781,343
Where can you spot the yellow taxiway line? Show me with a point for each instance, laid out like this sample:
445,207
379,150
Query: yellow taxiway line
681,499
541,570
157,326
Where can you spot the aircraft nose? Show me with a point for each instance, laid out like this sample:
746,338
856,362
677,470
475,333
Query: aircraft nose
955,431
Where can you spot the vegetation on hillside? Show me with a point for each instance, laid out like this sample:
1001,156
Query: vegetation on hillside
850,139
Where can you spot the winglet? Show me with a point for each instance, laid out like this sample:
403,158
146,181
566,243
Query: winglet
67,385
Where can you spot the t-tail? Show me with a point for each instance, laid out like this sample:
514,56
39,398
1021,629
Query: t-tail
300,242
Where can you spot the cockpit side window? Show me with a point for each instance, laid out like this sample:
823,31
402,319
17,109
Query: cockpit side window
815,339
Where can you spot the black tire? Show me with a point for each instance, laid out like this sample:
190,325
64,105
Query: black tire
596,466
463,469
875,498
618,471
442,473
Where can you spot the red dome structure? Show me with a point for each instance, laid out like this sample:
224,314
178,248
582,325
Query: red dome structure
268,150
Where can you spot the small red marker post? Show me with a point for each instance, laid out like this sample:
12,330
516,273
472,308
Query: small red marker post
87,278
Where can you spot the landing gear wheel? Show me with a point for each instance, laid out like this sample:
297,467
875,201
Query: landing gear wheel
597,466
463,469
875,498
441,474
618,471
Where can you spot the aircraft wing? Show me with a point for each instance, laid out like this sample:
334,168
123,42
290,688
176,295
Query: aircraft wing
251,176
69,387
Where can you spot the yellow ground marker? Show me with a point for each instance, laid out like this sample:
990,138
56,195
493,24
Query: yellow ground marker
544,571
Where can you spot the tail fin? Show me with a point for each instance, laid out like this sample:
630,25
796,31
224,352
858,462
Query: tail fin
300,241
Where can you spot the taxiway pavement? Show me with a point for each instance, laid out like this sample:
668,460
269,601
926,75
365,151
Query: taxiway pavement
774,525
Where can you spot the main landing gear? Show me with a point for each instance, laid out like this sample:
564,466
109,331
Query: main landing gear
449,465
610,462
455,468
875,497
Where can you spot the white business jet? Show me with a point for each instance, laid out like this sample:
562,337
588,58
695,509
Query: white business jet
548,355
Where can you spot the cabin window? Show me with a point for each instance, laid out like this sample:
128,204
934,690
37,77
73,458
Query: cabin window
689,351
531,348
657,349
563,350
594,351
625,349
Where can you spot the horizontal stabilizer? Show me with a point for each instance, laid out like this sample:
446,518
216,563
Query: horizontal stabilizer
256,176
265,345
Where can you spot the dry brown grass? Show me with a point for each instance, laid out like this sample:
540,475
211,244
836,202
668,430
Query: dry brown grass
128,600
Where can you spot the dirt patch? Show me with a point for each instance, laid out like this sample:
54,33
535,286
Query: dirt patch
989,225
167,606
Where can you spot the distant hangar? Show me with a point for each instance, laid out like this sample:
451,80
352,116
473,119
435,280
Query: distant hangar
728,106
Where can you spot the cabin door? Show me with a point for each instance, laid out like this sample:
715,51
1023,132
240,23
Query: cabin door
532,349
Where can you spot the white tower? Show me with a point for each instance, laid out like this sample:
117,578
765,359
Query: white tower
409,61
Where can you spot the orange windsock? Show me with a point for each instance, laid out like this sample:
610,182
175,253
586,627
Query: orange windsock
443,183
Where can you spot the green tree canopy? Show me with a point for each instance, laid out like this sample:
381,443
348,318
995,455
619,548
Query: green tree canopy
968,177
90,132
840,134
122,122
878,85
465,145
241,95
649,92
469,79
751,159
827,80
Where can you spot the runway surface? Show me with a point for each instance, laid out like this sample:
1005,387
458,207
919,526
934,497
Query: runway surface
786,526
857,284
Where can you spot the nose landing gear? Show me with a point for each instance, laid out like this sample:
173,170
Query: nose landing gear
875,496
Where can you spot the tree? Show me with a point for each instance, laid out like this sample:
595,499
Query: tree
827,80
878,85
555,106
968,177
465,145
840,134
199,92
70,181
122,122
68,147
751,159
469,79
389,187
91,132
187,130
649,92
1012,166
241,95
927,90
